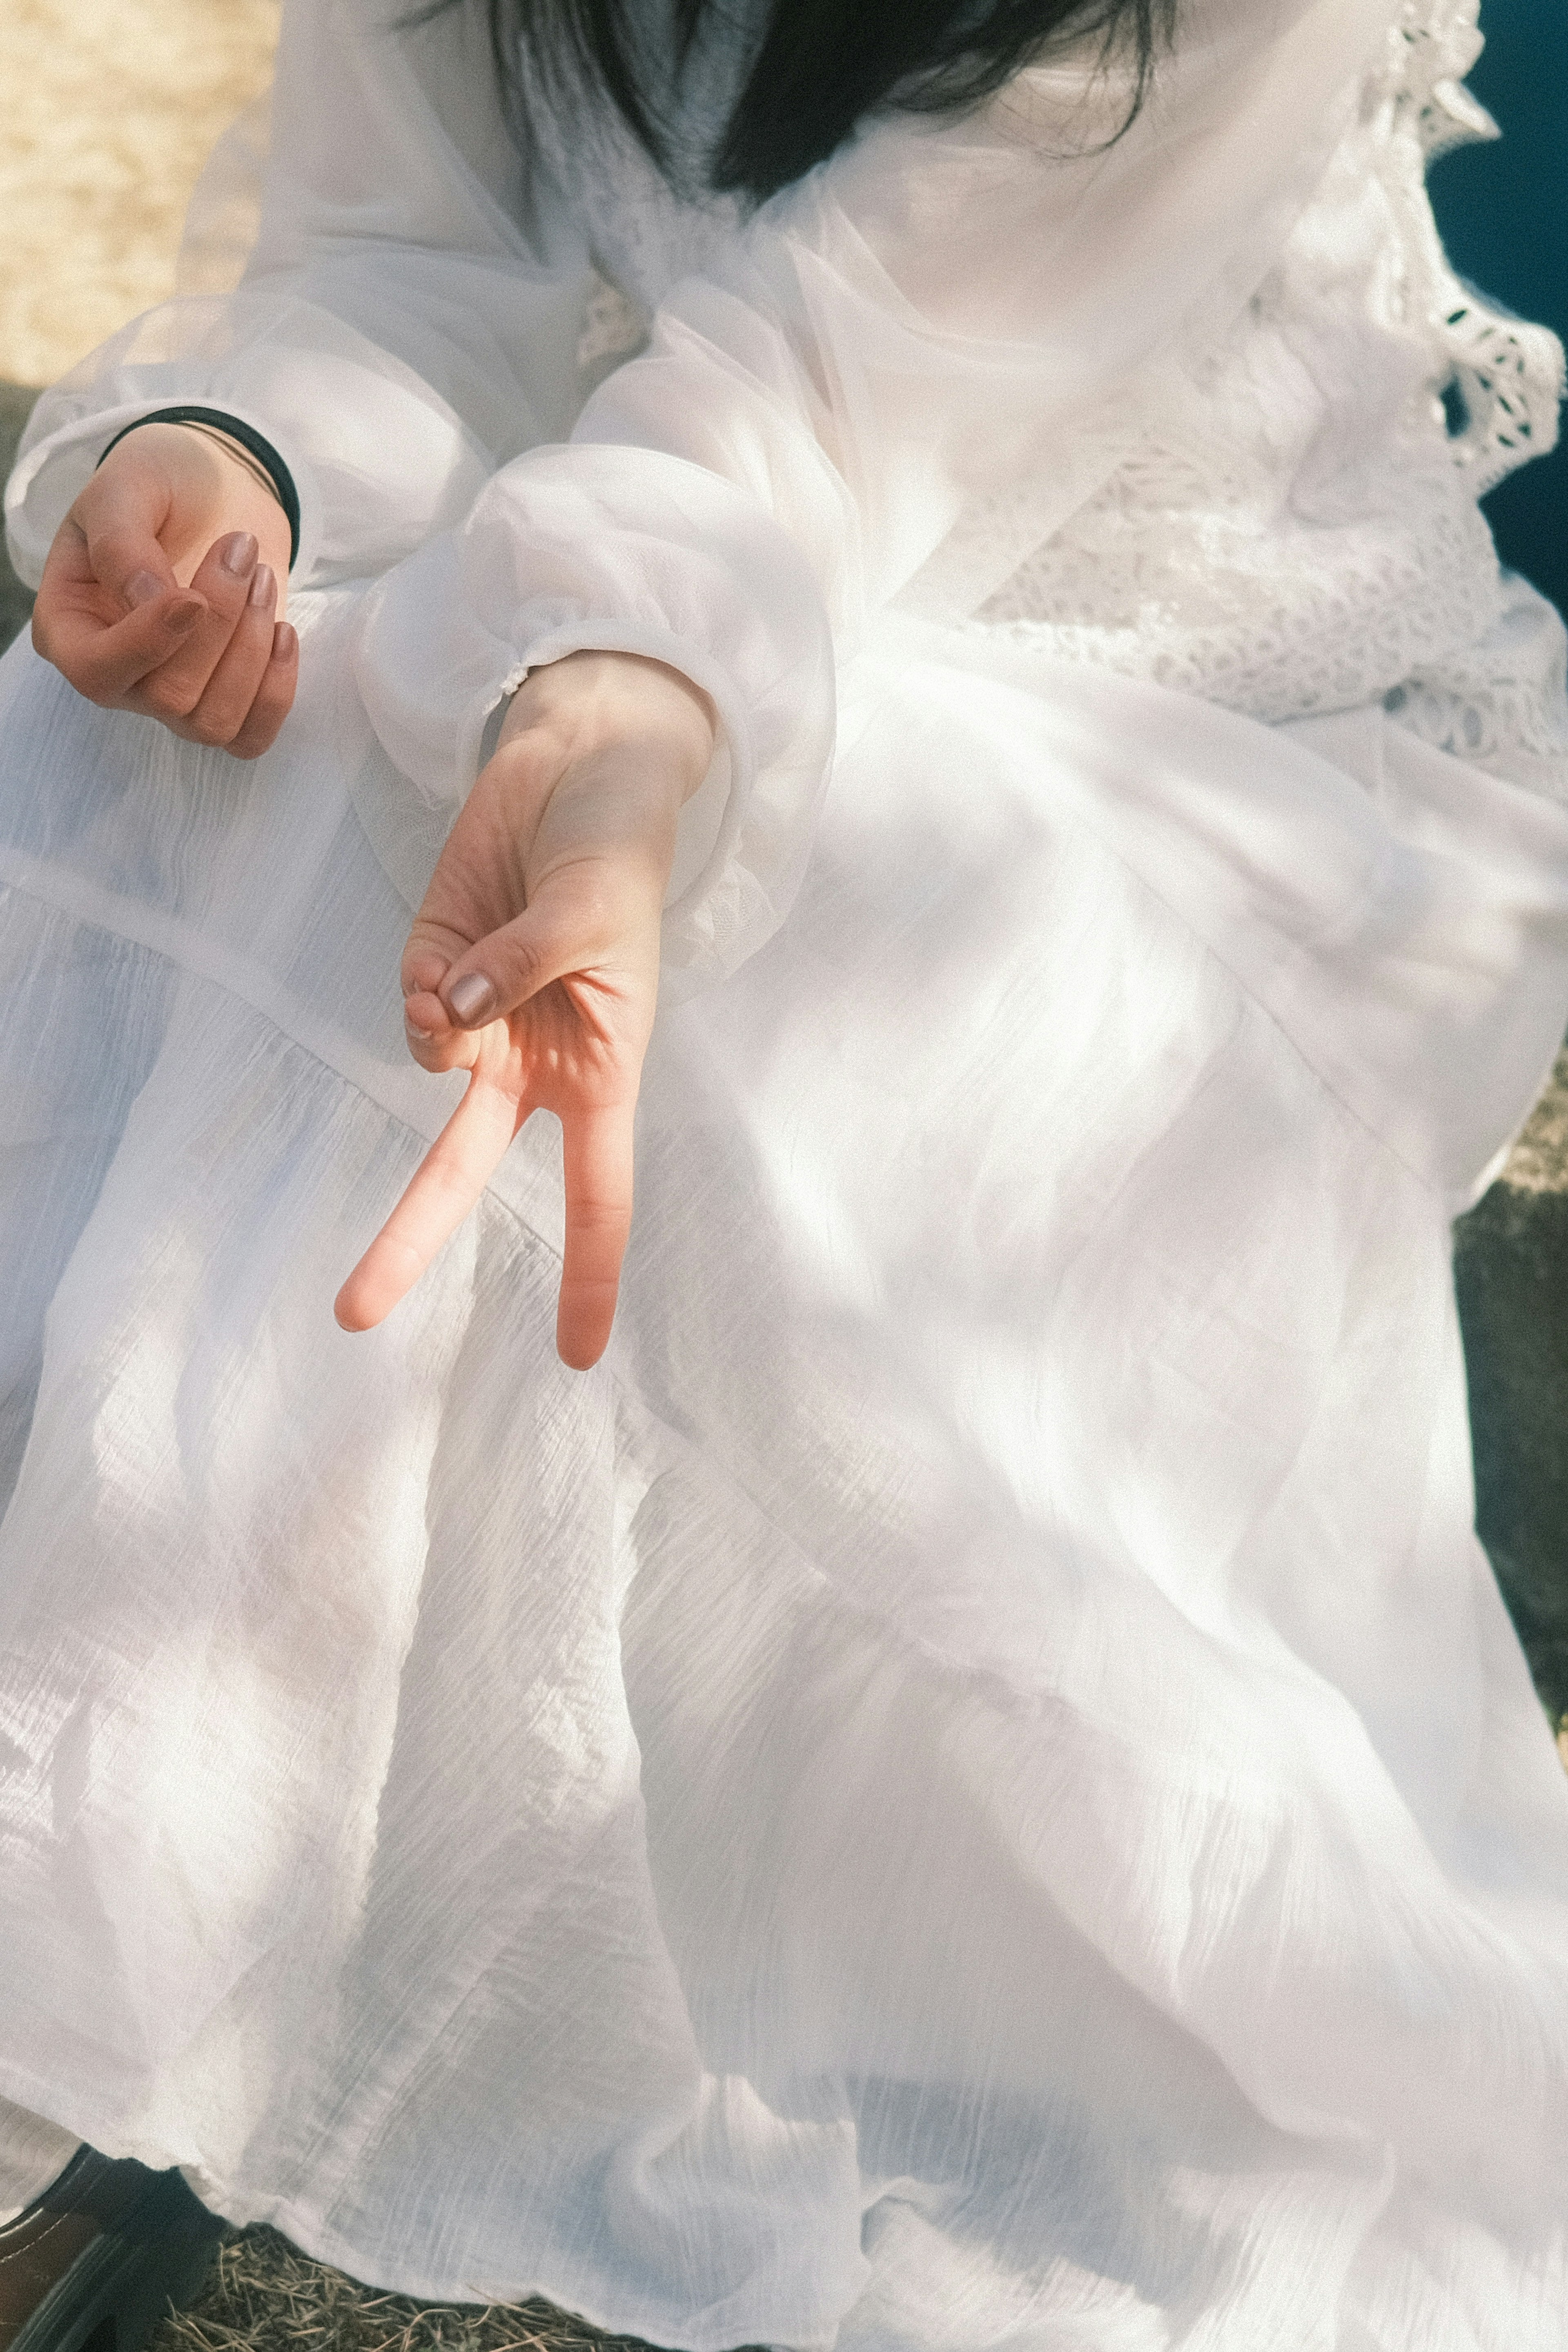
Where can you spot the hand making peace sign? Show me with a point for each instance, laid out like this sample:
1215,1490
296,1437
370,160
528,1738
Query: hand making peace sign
534,965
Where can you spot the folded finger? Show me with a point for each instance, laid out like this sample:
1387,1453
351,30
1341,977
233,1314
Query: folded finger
598,1166
273,698
431,1038
223,581
106,644
226,701
444,1189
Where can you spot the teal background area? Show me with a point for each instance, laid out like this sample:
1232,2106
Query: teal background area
1503,212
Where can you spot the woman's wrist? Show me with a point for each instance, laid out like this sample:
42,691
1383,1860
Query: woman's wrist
188,490
596,755
241,456
248,448
591,701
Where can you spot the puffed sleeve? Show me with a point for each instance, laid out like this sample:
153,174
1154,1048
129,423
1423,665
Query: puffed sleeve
901,366
407,320
884,392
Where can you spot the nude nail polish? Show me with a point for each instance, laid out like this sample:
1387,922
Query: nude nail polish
238,553
472,1000
264,586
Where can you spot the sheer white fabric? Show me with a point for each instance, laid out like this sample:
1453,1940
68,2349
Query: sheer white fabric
971,1785
1294,528
409,318
33,2152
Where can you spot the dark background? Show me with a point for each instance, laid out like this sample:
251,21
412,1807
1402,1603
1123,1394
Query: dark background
1503,212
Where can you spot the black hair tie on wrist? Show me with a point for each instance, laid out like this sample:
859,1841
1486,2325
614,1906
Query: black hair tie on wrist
261,449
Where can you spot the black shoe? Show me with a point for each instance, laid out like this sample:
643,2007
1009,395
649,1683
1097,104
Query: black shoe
96,2261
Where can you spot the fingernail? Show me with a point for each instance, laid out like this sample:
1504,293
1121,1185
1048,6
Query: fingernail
183,618
141,588
284,642
472,1000
413,1026
237,554
263,587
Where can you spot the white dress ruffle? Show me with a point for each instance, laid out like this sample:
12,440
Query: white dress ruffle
971,1784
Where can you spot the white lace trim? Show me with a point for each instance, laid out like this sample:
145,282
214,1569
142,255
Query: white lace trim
1298,530
1294,528
614,328
1501,703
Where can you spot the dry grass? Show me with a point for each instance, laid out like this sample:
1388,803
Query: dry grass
106,115
264,2295
1538,1160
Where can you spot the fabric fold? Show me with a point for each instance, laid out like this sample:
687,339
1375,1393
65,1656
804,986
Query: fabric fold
627,552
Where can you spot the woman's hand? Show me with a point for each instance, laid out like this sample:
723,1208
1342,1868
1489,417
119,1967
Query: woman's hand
534,964
162,591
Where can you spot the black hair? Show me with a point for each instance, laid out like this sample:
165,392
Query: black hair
818,67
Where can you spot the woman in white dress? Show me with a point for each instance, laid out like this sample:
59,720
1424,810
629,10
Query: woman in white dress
968,1782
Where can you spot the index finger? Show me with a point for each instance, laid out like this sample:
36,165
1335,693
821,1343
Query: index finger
443,1190
83,625
598,1157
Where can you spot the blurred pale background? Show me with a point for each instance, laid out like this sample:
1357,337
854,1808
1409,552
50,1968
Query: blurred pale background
108,110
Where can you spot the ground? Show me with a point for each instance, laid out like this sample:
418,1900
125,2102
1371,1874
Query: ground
264,2295
106,116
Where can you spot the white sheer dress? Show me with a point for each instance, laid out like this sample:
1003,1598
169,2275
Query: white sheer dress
970,1786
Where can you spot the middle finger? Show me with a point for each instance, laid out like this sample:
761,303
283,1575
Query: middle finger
226,700
171,691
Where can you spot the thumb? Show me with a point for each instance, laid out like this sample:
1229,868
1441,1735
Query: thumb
503,971
110,607
125,513
124,552
594,915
